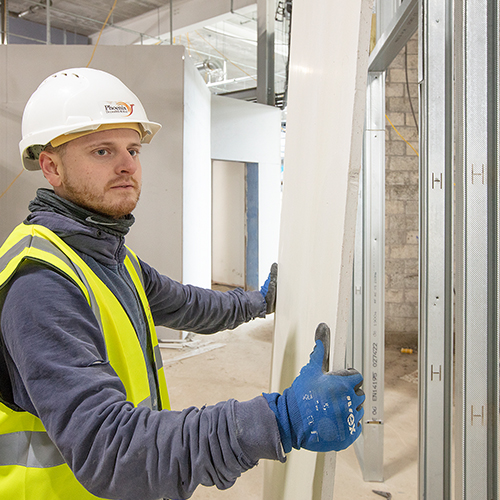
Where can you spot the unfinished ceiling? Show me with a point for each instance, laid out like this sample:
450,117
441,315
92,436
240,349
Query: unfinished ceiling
220,36
83,17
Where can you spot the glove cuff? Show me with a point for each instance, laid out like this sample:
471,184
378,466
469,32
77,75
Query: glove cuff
286,410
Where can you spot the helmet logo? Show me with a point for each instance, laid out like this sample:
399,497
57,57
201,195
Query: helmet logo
119,107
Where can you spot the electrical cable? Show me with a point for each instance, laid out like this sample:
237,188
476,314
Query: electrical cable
12,183
408,87
397,132
100,33
190,47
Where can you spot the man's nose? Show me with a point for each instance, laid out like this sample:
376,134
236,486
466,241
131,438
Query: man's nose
126,163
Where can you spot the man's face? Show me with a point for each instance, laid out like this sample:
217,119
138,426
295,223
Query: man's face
100,172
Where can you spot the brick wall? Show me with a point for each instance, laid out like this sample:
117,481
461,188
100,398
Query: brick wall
401,218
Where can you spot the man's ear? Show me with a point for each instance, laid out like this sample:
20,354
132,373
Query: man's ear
50,164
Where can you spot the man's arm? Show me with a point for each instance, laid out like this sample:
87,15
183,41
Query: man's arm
199,310
59,370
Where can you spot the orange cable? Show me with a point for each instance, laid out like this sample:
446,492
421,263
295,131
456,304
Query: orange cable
397,132
102,29
10,185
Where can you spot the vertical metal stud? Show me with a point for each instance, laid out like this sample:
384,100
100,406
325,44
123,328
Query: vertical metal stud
5,21
436,249
48,25
171,12
477,250
370,447
354,351
266,10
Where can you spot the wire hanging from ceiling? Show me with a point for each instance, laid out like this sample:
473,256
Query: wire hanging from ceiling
12,183
100,33
408,87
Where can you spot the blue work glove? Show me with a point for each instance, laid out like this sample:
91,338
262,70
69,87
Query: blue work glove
268,289
320,411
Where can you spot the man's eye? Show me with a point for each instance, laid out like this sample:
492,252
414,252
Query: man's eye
133,152
101,152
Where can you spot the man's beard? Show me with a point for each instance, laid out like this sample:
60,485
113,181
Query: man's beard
86,198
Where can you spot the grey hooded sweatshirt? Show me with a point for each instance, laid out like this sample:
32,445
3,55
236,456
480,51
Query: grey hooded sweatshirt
53,364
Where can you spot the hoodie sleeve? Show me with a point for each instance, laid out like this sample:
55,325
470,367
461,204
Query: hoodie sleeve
56,359
199,310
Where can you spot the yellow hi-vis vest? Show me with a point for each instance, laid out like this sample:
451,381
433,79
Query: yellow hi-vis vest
31,467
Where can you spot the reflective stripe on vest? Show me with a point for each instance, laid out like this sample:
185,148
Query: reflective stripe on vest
23,441
29,449
135,271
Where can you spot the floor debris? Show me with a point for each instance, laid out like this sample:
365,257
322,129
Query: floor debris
195,352
384,494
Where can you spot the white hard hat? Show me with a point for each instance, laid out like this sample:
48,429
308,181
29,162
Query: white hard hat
78,100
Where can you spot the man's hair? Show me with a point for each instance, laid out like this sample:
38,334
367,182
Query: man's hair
60,150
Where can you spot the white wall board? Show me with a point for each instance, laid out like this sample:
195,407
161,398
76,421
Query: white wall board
322,158
251,133
197,177
228,223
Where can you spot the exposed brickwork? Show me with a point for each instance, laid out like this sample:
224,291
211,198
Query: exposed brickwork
401,219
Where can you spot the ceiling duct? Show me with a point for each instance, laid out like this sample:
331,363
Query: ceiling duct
212,70
34,8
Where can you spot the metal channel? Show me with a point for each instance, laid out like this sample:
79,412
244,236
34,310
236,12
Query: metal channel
265,51
393,38
477,250
354,348
5,21
48,22
370,449
436,250
385,12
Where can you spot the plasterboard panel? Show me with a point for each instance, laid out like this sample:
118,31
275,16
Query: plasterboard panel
251,133
197,177
322,157
228,224
245,131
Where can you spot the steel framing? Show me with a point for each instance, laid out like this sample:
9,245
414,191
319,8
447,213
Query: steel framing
436,248
370,447
476,397
399,22
265,51
467,32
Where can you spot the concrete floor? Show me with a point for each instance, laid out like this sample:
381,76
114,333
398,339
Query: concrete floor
236,365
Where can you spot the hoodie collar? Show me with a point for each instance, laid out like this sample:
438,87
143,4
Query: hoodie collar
48,201
95,235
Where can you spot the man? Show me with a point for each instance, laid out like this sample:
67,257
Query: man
84,409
